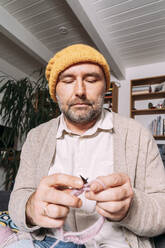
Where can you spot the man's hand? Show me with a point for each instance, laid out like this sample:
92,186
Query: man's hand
49,205
113,200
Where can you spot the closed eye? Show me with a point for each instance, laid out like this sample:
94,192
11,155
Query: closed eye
67,80
91,79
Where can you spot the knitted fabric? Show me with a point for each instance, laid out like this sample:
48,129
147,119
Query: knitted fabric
73,55
89,233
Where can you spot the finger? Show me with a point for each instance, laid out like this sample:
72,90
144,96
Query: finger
113,180
48,222
58,197
62,180
114,207
114,210
55,211
112,194
113,217
102,212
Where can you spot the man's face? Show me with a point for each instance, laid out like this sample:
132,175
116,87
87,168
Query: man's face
80,92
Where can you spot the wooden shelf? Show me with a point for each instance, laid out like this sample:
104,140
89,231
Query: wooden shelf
159,137
146,96
148,111
148,81
112,100
137,96
107,97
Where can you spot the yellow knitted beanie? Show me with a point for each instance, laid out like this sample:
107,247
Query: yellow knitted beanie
72,55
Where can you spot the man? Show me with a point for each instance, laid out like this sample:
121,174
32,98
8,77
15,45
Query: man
118,156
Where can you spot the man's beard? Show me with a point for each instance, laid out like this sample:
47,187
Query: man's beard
82,115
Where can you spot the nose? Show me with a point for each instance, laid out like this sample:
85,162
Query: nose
80,89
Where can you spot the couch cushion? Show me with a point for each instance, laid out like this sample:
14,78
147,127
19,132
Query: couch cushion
5,220
4,200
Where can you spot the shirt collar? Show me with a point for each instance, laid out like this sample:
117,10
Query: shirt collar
62,129
104,123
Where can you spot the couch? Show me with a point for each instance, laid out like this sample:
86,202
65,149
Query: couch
4,200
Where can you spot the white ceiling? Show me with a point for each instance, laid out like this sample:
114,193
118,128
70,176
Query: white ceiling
128,32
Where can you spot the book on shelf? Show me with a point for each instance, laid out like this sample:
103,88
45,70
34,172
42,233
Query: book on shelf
139,92
140,87
157,126
110,89
108,93
161,148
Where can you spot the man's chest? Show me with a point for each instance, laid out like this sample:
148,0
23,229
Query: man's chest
86,156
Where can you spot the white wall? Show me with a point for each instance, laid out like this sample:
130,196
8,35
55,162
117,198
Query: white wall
150,70
9,69
145,71
124,98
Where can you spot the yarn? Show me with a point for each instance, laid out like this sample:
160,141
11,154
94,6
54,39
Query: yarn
87,234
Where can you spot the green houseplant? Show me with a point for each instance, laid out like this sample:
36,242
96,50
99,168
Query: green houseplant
24,105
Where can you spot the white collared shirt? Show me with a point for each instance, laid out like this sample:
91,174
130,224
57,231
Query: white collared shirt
89,155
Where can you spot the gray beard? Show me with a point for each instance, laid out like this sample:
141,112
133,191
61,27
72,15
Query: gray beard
83,118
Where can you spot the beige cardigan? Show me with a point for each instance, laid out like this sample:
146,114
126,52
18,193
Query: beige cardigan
135,153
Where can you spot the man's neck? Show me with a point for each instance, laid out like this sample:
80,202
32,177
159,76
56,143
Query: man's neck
79,128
